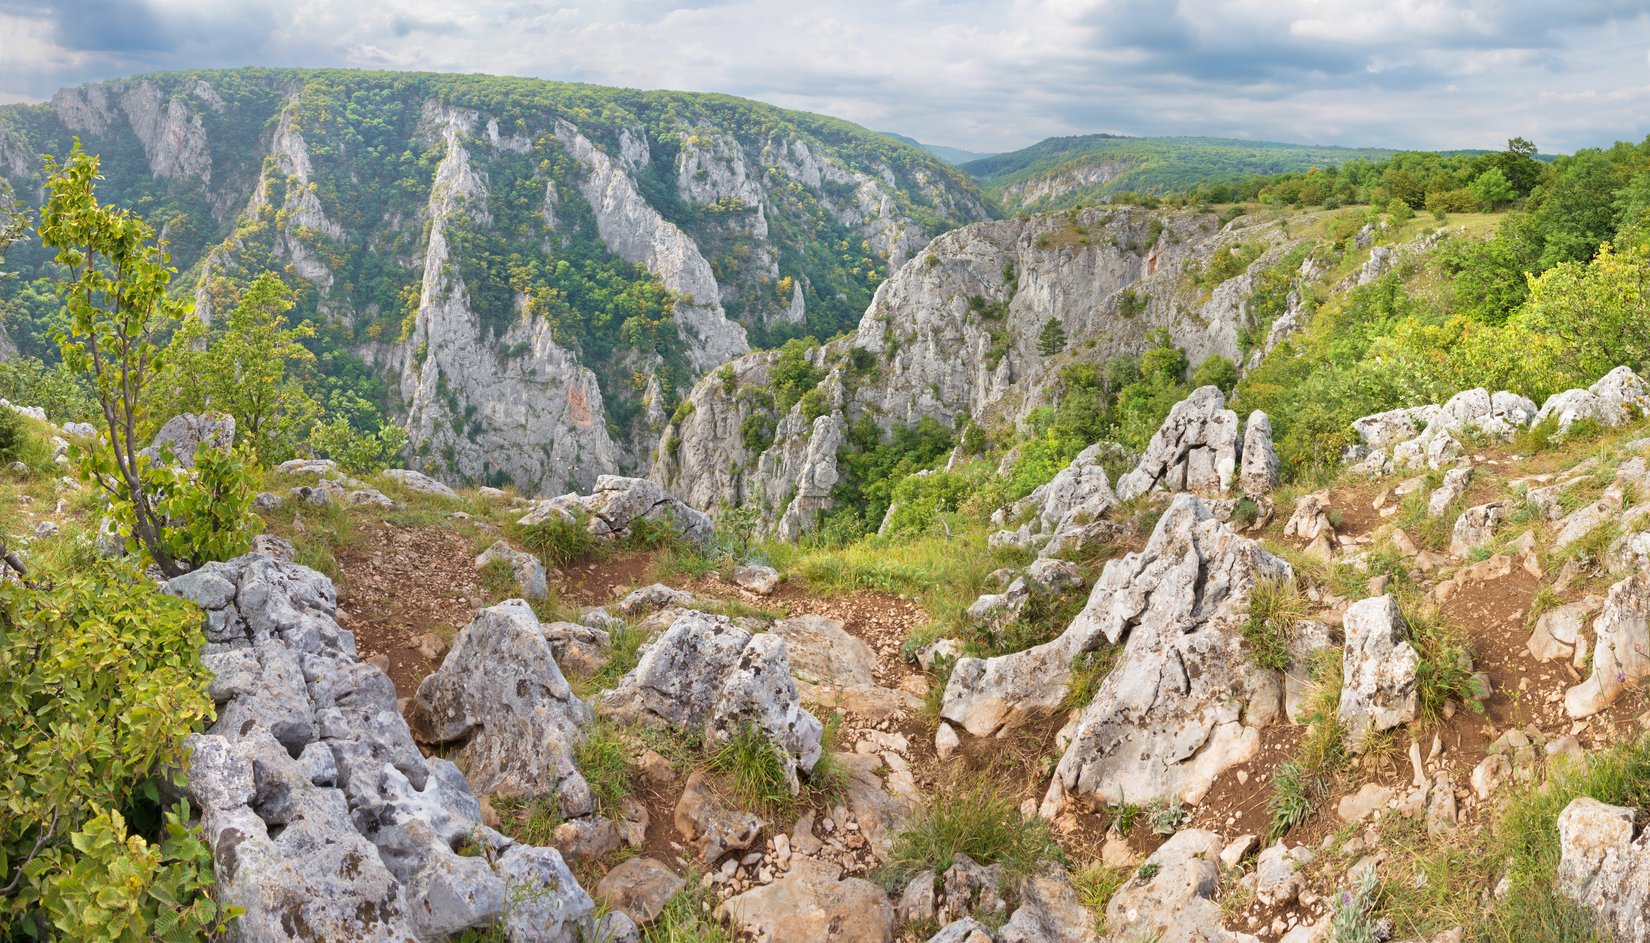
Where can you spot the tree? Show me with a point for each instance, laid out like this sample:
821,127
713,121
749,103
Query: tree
247,370
1492,188
115,294
1053,338
1597,314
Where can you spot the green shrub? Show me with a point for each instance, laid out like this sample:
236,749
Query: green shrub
1216,371
12,436
100,682
1444,672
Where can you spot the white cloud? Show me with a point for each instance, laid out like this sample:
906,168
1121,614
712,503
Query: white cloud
987,74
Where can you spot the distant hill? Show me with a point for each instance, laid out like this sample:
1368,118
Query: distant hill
1060,172
951,155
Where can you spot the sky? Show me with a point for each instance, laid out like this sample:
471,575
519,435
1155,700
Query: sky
986,75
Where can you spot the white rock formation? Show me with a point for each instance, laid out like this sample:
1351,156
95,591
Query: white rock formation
1378,670
1197,449
1621,649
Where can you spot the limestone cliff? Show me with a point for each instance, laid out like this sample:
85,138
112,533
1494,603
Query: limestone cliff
953,336
534,272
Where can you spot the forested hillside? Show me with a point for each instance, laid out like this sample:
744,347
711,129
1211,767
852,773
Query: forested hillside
1072,171
461,245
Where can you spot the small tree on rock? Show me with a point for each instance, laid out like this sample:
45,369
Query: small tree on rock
1053,338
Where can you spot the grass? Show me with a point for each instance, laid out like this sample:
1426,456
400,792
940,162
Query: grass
1096,884
1276,605
531,820
942,574
754,773
604,760
1044,616
684,918
557,541
1444,673
976,819
829,779
1088,671
623,651
1304,780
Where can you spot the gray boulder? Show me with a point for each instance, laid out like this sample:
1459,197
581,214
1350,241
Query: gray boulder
1378,665
419,482
1603,868
500,695
1261,470
1617,398
526,569
618,504
1621,649
1185,701
1049,912
1196,449
705,673
185,433
1056,514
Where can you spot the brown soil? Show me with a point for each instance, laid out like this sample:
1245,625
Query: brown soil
397,583
607,580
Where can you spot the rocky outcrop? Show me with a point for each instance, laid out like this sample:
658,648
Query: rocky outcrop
1603,868
952,335
1171,898
533,416
1261,470
525,569
1185,701
616,506
1197,449
1621,648
1618,397
1060,516
1389,442
502,700
706,674
813,902
1378,670
324,819
184,434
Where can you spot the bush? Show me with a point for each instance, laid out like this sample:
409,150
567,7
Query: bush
1216,371
100,682
1275,606
13,437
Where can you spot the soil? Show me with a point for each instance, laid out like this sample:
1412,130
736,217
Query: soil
397,583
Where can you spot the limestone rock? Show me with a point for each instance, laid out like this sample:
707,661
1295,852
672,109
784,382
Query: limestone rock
500,695
1618,397
1476,527
705,673
526,569
184,434
617,504
710,824
1261,470
1184,701
962,930
1603,868
759,579
419,482
1176,903
324,819
813,902
1196,449
640,887
1453,487
1378,666
1057,513
834,670
1621,649
1558,629
1049,912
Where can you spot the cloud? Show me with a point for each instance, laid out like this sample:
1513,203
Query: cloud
982,74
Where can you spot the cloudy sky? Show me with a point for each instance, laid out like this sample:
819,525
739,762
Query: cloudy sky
979,74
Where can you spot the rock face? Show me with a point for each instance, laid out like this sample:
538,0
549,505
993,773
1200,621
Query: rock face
497,383
1184,702
952,335
1261,471
1603,868
1378,690
500,695
1621,650
834,669
1176,903
1618,397
617,505
1197,449
324,820
1058,516
185,433
705,673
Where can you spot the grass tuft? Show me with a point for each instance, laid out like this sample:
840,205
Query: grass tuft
1275,606
978,820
